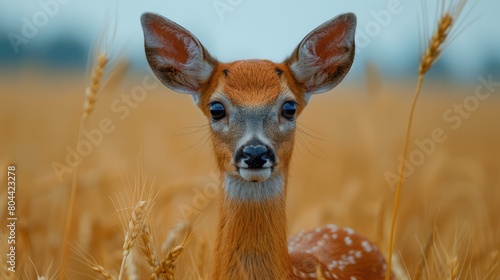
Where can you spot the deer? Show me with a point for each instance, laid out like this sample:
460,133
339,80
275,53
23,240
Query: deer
252,107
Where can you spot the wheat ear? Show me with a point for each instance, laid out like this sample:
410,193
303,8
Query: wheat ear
134,228
95,83
166,267
102,271
431,55
90,93
180,228
148,247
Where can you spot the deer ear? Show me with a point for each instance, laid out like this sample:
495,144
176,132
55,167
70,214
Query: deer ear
175,55
325,55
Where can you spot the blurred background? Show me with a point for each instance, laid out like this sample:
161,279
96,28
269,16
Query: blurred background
349,143
389,32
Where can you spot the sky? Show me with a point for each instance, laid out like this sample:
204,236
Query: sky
388,34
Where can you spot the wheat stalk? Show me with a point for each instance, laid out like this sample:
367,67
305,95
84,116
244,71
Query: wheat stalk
135,227
148,247
202,255
319,275
180,228
399,268
90,93
6,274
166,267
86,259
380,223
494,263
95,82
130,267
433,51
453,268
425,256
431,55
102,271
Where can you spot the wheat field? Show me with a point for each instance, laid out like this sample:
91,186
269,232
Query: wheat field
155,149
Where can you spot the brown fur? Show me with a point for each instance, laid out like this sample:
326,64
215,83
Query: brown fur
251,237
251,241
252,82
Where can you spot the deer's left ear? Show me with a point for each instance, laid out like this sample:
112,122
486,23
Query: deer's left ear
325,55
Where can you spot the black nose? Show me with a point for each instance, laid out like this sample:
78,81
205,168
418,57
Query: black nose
256,156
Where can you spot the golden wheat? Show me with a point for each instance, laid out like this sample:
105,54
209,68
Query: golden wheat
40,235
135,227
425,257
148,247
90,93
102,271
166,268
202,258
453,268
318,273
433,51
181,228
95,82
105,245
399,268
430,56
131,267
493,265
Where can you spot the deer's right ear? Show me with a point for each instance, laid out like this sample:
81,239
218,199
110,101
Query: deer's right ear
175,55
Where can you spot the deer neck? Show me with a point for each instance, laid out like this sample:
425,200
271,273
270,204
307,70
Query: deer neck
251,241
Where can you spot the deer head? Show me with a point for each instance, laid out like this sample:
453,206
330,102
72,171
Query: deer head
252,105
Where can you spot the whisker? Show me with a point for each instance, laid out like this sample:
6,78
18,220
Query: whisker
308,149
194,145
189,133
202,146
311,143
305,133
298,152
196,126
305,146
196,129
325,137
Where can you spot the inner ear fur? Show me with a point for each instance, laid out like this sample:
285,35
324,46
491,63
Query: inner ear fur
325,55
175,55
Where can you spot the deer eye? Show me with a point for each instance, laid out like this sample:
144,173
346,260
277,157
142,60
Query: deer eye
217,111
288,110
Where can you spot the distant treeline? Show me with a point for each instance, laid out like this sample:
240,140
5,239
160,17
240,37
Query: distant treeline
70,49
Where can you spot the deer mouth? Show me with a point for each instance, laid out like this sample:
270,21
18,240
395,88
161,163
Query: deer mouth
256,175
252,185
